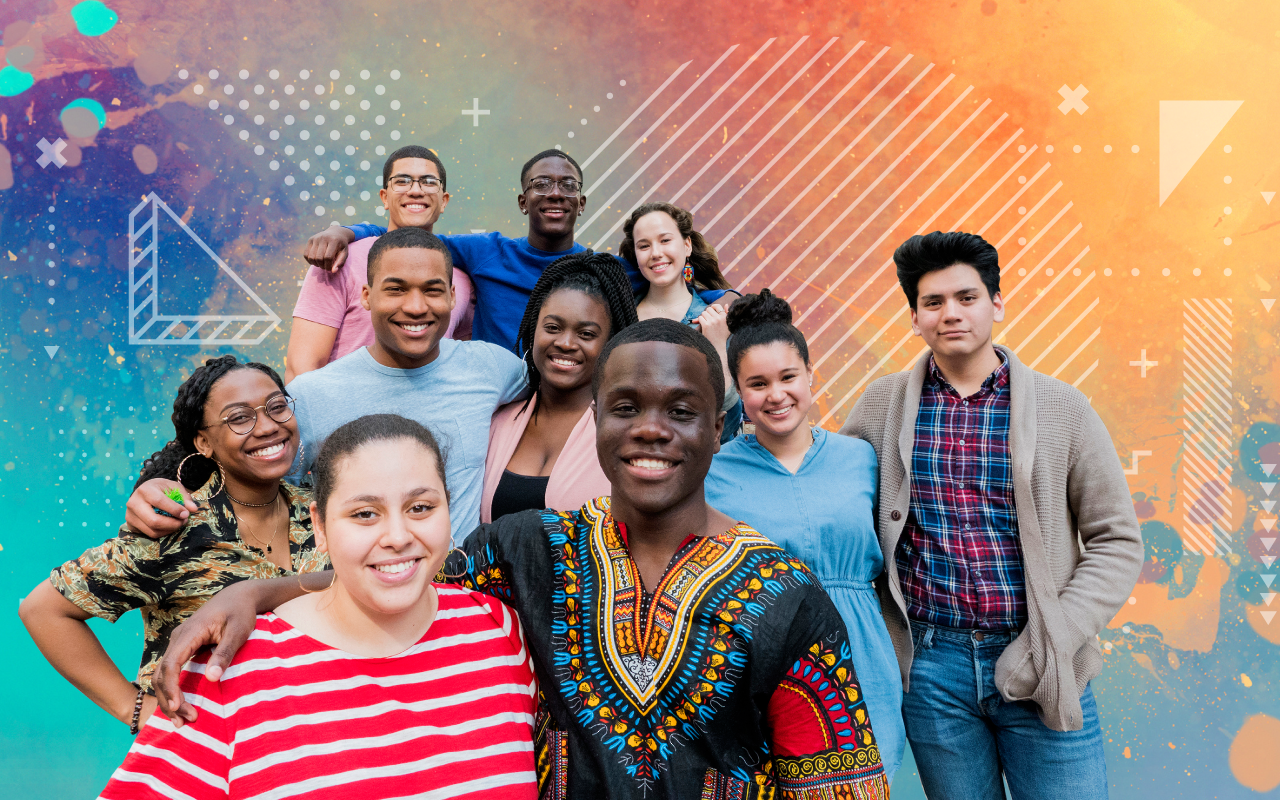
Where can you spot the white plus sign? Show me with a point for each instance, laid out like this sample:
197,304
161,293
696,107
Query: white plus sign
475,111
1144,363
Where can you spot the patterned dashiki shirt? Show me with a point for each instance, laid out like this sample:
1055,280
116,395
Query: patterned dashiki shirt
737,681
169,578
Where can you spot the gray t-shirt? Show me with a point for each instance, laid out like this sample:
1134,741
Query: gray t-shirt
454,396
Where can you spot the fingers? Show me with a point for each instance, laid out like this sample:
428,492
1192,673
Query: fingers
339,259
234,635
141,516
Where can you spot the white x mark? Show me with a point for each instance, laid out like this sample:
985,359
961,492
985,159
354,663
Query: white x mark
1071,99
51,153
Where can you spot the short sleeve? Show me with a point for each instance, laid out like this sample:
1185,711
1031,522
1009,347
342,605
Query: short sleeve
115,577
323,298
192,761
820,734
365,230
511,374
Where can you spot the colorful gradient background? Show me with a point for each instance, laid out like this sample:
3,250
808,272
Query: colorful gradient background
1133,223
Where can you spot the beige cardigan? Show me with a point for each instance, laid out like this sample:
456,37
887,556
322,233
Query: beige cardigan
1069,489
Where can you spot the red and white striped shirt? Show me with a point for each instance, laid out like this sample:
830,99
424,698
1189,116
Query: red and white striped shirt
451,717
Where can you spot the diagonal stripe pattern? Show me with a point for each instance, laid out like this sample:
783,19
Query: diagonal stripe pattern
1206,409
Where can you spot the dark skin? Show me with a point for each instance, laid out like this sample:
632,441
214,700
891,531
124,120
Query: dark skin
655,403
572,329
551,219
411,288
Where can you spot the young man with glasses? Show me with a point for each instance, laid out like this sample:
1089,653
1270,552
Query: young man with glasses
328,321
504,270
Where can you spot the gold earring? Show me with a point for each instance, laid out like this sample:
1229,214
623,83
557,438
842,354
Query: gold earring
222,478
452,548
332,581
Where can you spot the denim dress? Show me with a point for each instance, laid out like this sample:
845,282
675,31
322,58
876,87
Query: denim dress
823,515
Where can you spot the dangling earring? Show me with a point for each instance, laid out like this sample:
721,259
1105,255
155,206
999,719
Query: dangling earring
688,272
222,478
332,581
465,559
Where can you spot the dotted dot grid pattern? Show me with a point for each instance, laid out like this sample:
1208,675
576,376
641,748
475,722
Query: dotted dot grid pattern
315,127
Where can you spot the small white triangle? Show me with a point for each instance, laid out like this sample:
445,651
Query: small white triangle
1266,543
1267,468
1268,616
1267,597
1268,560
1267,487
51,349
1268,505
1267,196
1268,303
1269,524
1267,579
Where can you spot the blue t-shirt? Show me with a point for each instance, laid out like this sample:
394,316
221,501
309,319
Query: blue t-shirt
454,396
504,272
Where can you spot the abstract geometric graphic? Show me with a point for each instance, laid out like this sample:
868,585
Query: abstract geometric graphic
1187,128
1208,438
147,325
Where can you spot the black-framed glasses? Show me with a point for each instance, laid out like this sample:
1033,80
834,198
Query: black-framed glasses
402,183
243,419
568,186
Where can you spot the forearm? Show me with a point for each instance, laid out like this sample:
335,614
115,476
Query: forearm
267,595
70,647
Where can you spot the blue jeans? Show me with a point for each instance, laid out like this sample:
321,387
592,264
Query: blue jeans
966,737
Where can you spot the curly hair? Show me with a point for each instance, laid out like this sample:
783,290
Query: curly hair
703,258
758,319
188,420
596,274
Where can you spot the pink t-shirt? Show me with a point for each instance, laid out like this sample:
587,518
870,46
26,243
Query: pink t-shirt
333,299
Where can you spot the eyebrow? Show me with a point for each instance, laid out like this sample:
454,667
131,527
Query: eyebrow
246,404
402,281
966,290
579,324
423,175
678,392
374,498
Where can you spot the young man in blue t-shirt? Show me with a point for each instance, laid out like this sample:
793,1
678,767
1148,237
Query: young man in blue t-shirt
503,270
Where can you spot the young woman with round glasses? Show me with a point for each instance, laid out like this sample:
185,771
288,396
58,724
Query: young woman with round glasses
235,439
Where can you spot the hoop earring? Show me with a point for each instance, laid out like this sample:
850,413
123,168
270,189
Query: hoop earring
332,581
222,478
453,547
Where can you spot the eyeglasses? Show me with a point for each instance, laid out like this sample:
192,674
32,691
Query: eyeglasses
402,183
243,419
568,186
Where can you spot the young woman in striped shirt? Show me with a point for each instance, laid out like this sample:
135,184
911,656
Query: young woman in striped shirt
382,685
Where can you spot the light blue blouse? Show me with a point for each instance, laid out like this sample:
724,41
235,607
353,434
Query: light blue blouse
824,515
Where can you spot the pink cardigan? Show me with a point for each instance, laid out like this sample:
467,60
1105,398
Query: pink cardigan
576,476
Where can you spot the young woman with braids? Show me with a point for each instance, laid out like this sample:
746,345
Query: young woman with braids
680,266
235,438
542,451
813,491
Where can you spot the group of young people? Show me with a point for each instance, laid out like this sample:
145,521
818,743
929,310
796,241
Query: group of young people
500,535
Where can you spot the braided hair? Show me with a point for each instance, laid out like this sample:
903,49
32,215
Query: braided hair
596,274
703,258
188,420
758,319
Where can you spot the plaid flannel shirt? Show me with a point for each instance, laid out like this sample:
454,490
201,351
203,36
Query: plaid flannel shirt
959,558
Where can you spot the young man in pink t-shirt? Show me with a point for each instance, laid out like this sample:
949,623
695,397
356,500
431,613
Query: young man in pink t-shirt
328,319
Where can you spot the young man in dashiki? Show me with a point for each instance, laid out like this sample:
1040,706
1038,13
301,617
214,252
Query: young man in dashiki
680,654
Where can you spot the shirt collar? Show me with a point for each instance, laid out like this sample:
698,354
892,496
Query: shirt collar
997,381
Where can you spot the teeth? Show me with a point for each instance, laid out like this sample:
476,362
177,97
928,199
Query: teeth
650,463
268,451
778,412
392,569
564,362
414,328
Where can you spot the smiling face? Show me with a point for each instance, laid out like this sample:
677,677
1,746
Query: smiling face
551,216
572,329
660,249
265,454
954,313
415,208
774,383
409,306
657,425
385,525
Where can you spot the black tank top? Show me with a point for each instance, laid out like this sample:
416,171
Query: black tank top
519,493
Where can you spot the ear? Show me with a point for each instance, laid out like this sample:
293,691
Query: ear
382,195
444,201
523,203
317,527
364,297
715,447
915,327
582,202
453,295
202,443
998,302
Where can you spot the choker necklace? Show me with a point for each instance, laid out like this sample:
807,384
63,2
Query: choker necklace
254,505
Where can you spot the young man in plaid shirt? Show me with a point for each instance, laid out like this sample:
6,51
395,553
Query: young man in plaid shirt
1009,540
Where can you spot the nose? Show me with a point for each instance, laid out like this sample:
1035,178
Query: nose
566,340
396,535
266,426
415,304
650,427
775,394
